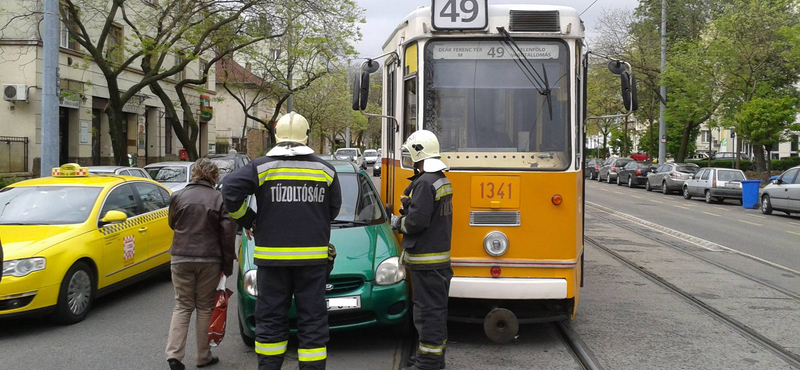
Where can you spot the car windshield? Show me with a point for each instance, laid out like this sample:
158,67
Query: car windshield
370,153
688,169
225,165
729,175
622,162
347,152
46,205
360,202
488,114
169,173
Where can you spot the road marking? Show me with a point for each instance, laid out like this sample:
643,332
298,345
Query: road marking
751,223
712,214
792,232
601,189
655,201
702,243
759,216
686,208
616,192
633,196
720,208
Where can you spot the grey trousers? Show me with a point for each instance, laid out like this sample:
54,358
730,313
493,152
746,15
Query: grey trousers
195,289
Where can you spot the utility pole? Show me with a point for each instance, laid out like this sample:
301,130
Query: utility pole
662,121
50,149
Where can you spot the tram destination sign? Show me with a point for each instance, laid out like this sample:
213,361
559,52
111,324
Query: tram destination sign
460,15
492,50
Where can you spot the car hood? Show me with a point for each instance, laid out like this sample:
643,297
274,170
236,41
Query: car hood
359,250
28,240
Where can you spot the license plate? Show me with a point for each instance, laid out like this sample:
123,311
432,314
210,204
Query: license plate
495,192
343,303
732,185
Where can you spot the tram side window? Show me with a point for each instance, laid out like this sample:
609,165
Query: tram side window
410,91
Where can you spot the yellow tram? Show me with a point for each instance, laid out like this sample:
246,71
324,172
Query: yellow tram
503,87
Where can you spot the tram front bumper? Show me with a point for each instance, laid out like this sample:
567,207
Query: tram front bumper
508,288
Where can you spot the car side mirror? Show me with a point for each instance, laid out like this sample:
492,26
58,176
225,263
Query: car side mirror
113,217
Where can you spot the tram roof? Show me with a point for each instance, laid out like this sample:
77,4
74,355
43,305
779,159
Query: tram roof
419,22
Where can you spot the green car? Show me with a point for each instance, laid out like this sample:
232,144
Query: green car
368,284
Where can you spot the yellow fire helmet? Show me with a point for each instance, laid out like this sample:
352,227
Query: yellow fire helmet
292,127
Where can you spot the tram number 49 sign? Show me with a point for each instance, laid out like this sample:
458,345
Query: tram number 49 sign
460,14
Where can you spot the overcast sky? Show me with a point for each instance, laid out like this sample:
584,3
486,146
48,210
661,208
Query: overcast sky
383,16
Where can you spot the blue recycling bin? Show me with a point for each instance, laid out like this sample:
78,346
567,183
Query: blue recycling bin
750,193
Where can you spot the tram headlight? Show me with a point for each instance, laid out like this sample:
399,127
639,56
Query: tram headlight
495,243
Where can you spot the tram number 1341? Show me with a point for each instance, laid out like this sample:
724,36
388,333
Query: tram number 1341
495,191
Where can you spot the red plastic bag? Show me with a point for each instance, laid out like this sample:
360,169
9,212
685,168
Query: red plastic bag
216,330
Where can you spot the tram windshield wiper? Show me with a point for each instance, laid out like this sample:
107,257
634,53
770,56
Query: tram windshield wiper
539,81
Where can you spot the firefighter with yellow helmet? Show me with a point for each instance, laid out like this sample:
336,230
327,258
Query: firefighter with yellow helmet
298,195
426,223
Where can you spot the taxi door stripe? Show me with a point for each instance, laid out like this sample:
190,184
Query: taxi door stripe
137,263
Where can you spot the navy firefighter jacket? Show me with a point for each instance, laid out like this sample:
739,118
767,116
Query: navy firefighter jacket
297,197
428,222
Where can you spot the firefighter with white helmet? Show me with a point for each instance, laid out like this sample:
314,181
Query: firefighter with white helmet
426,224
298,195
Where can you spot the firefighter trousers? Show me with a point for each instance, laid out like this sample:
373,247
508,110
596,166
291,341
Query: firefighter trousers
276,286
431,290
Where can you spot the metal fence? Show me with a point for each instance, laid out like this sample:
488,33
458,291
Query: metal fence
13,154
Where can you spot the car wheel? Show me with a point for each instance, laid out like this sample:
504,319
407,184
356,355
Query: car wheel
250,342
608,178
766,205
76,294
686,194
630,181
664,189
647,185
591,175
619,181
709,198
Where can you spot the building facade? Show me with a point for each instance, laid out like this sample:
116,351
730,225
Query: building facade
83,126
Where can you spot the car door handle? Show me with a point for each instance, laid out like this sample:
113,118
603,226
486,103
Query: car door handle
143,230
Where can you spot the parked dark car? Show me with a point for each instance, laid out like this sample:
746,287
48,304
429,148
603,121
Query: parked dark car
591,168
634,173
608,172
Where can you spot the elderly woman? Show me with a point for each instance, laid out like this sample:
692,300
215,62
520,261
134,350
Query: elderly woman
202,249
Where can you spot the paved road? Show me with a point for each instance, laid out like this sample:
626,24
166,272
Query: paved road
774,238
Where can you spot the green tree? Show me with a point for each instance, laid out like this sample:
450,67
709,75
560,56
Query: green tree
765,120
604,99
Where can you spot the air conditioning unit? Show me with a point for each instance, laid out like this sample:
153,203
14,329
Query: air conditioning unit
14,92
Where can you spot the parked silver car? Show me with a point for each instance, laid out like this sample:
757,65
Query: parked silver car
610,169
715,184
783,194
670,177
174,175
371,156
352,155
118,170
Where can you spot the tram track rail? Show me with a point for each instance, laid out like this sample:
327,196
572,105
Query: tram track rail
776,349
627,226
582,354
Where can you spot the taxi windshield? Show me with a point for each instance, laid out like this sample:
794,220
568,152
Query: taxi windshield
46,205
169,174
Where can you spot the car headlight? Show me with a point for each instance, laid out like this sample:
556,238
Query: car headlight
390,271
495,243
22,267
251,283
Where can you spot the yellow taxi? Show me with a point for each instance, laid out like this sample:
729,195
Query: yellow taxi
72,237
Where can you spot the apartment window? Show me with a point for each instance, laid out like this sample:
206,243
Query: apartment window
66,41
795,142
202,69
706,136
114,44
180,76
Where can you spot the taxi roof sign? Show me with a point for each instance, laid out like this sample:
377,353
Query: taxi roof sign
70,170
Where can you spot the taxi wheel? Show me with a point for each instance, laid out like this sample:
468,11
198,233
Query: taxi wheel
76,294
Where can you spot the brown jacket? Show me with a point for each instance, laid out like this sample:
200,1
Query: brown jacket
203,228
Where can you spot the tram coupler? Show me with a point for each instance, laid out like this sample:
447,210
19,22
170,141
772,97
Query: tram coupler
501,325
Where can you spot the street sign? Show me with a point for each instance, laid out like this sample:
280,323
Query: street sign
460,14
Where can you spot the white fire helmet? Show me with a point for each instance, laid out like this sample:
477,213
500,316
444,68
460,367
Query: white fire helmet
292,127
424,146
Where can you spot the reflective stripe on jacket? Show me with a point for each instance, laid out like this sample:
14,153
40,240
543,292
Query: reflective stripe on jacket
428,222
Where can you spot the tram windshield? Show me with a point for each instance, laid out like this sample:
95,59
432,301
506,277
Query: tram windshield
488,114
